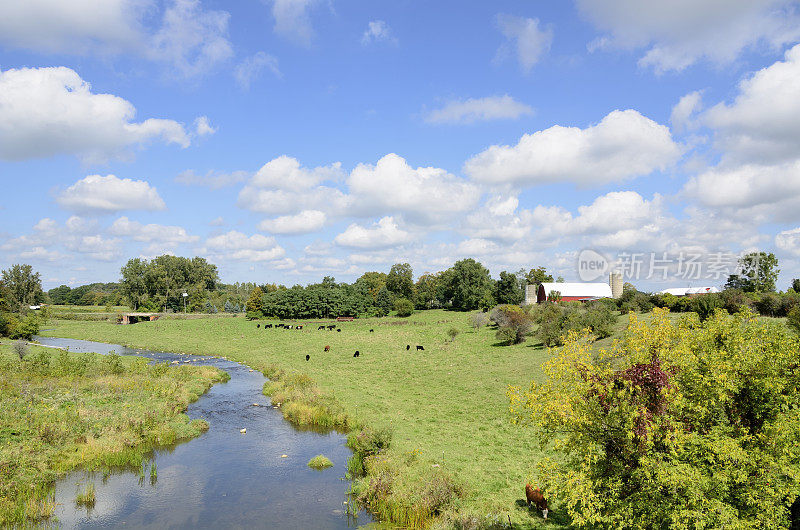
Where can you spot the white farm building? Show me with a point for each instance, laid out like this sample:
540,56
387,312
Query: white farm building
689,291
581,292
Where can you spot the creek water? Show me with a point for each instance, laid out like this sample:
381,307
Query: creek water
222,479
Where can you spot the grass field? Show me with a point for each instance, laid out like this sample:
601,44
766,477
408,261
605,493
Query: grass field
59,411
446,405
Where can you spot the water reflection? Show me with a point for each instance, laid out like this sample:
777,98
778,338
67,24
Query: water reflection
223,479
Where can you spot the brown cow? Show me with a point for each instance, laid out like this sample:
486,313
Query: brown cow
535,496
327,348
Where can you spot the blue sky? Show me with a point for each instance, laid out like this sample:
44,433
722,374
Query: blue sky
286,140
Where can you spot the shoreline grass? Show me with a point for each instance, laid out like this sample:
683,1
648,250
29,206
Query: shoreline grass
60,411
320,462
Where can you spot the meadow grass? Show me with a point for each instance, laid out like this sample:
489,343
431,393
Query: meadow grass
454,454
60,411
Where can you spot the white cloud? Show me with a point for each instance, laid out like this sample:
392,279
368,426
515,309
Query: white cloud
189,40
378,31
304,222
789,241
480,109
108,194
498,219
168,235
286,173
202,127
95,246
50,111
622,146
476,247
524,38
773,190
41,254
238,246
212,179
251,67
219,221
392,185
683,115
679,33
762,123
292,20
385,233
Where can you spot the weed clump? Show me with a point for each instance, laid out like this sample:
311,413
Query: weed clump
320,462
86,498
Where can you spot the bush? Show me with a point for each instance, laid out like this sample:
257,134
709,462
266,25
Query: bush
705,305
21,349
320,462
557,320
24,328
478,319
513,323
403,307
452,333
794,319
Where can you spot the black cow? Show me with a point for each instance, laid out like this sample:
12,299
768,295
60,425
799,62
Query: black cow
308,357
258,326
372,331
420,348
332,327
408,347
321,327
299,327
356,354
267,326
339,330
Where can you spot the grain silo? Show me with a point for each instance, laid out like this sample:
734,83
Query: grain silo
615,281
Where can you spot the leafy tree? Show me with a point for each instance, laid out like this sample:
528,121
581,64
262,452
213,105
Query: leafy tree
22,287
255,304
383,301
796,285
161,282
758,273
427,291
403,307
508,289
513,323
537,276
59,295
400,280
372,283
466,284
677,425
793,319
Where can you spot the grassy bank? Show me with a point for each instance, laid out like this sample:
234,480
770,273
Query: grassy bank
445,406
59,411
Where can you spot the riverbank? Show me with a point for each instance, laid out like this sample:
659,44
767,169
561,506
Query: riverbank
60,411
453,448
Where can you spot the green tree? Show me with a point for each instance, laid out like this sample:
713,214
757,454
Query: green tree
403,307
466,283
59,295
680,424
400,280
255,304
427,291
372,283
384,301
796,285
161,282
758,273
508,289
537,276
22,287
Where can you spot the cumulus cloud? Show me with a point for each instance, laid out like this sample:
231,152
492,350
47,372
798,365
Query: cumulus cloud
109,194
95,247
189,40
683,115
212,179
304,222
524,38
50,111
238,246
286,172
480,109
377,31
677,34
789,241
292,20
250,69
385,233
202,127
770,191
173,235
622,146
427,193
761,124
498,219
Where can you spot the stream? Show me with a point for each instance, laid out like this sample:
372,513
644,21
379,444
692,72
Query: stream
223,478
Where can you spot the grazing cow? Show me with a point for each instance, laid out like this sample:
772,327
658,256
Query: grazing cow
372,331
339,330
258,326
308,357
408,347
299,327
356,354
535,496
327,348
332,327
321,327
420,348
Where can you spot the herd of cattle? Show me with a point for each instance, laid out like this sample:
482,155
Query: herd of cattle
329,327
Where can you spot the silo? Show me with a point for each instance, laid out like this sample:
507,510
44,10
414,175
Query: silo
615,281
